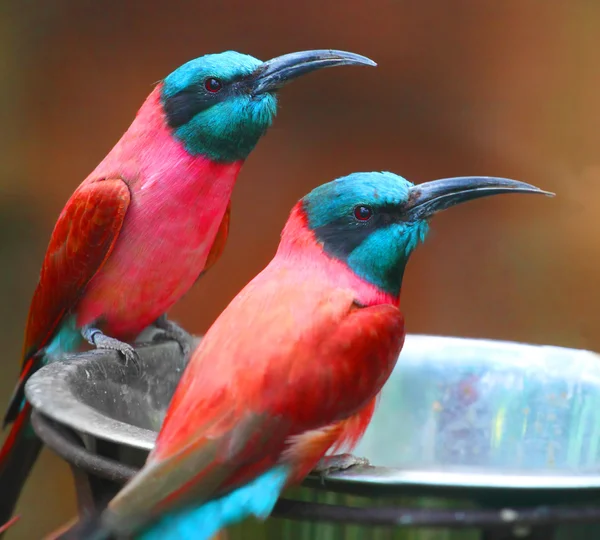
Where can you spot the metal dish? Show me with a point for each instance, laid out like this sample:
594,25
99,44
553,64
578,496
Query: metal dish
457,415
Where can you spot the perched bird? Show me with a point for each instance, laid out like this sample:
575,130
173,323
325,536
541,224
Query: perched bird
148,221
292,367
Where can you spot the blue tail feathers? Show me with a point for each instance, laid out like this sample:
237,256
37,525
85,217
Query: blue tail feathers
201,523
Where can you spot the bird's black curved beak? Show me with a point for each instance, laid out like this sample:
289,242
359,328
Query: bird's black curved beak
273,74
431,197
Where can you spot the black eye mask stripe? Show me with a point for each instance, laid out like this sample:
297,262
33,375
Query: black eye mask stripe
181,107
343,235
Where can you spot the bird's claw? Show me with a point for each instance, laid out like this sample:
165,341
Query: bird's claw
101,341
128,353
340,462
173,332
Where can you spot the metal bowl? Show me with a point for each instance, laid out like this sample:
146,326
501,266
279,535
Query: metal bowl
457,415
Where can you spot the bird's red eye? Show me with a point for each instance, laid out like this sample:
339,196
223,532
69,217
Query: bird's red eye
363,213
213,85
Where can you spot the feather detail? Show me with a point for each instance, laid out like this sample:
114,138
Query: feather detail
306,449
256,498
83,238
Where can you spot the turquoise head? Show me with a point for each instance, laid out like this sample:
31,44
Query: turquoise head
219,105
373,221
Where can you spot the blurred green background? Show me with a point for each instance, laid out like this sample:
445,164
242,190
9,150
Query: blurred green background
463,87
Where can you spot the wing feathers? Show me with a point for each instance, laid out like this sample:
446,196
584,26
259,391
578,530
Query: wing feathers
83,238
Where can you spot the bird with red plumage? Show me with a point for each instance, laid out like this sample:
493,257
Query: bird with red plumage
148,221
290,372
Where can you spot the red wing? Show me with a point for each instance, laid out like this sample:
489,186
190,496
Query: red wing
82,240
276,347
241,400
367,344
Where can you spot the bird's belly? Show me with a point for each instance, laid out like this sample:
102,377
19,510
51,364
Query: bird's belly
161,251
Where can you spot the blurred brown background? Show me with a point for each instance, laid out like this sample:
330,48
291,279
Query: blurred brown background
463,87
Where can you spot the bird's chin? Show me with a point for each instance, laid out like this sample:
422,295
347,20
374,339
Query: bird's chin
268,100
263,109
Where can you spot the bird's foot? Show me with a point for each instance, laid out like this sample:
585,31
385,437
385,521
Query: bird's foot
99,340
171,331
340,462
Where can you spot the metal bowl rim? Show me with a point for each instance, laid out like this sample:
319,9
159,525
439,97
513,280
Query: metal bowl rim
48,391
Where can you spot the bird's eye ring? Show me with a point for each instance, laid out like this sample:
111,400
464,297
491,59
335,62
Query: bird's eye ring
362,212
213,85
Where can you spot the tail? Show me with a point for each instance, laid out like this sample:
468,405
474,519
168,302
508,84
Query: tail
17,456
207,521
22,447
203,523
